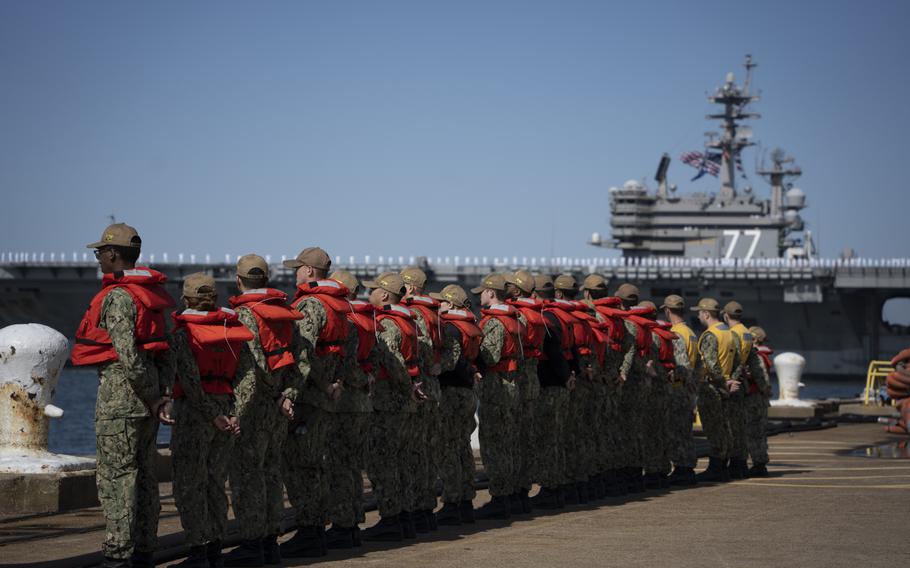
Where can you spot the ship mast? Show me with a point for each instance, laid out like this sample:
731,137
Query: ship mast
732,139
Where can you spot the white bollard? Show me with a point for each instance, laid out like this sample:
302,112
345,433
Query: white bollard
789,367
31,358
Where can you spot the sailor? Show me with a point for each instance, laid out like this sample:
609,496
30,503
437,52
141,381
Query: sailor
263,400
426,431
461,347
350,422
749,370
210,351
635,375
718,350
322,334
609,449
395,395
557,378
682,393
123,334
519,287
500,356
757,402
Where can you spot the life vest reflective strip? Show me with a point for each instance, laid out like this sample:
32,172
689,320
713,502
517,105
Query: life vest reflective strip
274,322
612,318
404,319
665,349
428,309
535,327
471,335
745,341
332,295
146,288
511,347
215,339
691,341
362,316
567,323
725,349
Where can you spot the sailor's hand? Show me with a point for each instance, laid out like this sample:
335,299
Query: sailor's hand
417,395
223,423
477,377
733,386
286,406
233,425
164,411
334,391
622,377
570,382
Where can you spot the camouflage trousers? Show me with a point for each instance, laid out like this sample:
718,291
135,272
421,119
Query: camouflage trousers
633,411
425,442
757,427
386,468
714,423
578,432
200,454
656,446
458,423
528,393
257,493
609,440
681,417
345,463
127,484
498,396
736,417
304,465
549,420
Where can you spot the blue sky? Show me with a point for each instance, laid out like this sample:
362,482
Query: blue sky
429,128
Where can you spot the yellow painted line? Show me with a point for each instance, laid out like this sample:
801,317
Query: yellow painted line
821,486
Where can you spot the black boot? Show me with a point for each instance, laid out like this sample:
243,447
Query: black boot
547,499
388,529
759,470
197,558
616,485
569,493
683,476
213,553
652,481
449,515
582,488
431,519
499,508
526,506
408,529
249,553
515,504
142,559
109,562
466,508
308,542
271,552
340,537
421,523
715,472
636,480
734,469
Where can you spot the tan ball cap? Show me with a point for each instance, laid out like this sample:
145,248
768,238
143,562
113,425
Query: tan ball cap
594,282
252,266
543,282
198,285
565,282
118,234
628,293
414,276
707,305
349,280
673,302
388,281
452,293
758,334
523,279
493,281
311,256
734,309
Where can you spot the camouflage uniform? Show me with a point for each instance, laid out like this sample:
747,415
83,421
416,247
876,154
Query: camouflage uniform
656,432
126,433
757,403
736,409
498,396
551,409
392,409
714,398
200,452
528,393
609,442
577,438
682,408
457,409
634,405
257,493
424,432
349,430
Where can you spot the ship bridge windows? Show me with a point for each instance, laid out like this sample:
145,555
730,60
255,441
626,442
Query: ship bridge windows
896,315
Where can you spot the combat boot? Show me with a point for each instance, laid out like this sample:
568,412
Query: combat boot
421,523
499,509
664,479
388,529
341,537
759,470
569,493
526,505
214,555
271,553
142,559
738,468
408,529
684,476
616,485
515,504
197,558
716,471
306,543
636,480
431,519
249,553
449,515
652,481
466,508
109,562
547,499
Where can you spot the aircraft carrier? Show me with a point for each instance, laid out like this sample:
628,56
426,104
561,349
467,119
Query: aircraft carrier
728,244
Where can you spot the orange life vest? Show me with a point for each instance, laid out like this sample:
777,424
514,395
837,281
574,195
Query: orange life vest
428,308
643,340
275,323
567,322
612,320
471,335
535,327
146,287
332,295
404,319
666,353
511,347
764,353
362,316
598,335
215,339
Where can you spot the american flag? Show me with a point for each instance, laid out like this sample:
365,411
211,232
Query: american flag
706,163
